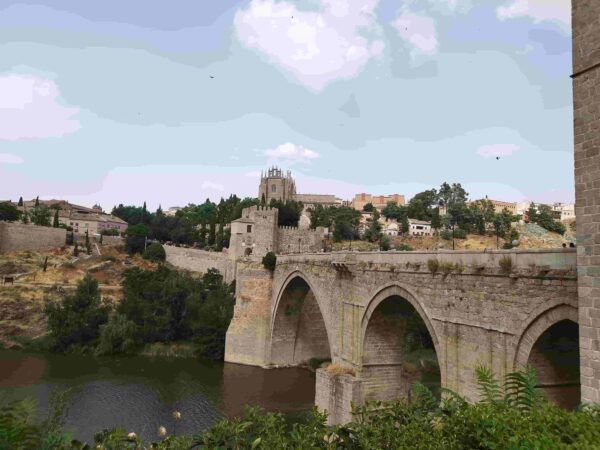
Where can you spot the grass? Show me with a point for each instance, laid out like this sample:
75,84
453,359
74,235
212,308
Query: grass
337,369
506,264
433,265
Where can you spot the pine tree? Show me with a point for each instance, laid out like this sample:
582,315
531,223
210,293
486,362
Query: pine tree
55,224
20,201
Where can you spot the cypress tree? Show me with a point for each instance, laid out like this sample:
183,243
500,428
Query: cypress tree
87,240
202,237
55,224
211,232
20,201
76,250
37,201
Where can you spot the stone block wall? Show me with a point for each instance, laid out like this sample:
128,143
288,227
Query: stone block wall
335,394
250,328
586,105
295,240
16,237
200,261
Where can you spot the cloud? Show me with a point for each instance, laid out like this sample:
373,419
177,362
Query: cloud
488,151
538,10
210,185
317,47
29,109
7,158
290,153
419,31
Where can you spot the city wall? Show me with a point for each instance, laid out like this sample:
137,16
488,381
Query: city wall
15,237
201,261
296,240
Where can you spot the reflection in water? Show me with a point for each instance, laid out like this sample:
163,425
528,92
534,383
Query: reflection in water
21,372
140,393
287,390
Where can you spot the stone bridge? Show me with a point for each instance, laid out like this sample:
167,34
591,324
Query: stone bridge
385,318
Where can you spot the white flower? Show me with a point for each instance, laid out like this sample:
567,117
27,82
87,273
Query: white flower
176,415
131,436
162,431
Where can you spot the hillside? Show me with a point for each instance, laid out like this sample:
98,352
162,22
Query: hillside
22,303
531,236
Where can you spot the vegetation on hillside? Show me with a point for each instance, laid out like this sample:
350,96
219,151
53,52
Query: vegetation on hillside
162,305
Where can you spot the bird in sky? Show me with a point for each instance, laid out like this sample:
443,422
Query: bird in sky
497,157
211,76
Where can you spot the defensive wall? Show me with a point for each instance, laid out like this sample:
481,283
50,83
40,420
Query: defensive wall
476,310
200,261
586,101
16,237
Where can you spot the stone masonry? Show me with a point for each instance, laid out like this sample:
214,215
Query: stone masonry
475,312
586,105
16,237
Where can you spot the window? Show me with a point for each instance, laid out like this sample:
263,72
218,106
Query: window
273,188
248,228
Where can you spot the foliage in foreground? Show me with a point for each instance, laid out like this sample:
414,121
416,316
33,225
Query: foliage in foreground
512,415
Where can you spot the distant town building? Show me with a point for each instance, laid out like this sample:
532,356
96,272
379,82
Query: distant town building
500,205
419,228
172,210
80,218
563,212
275,184
379,201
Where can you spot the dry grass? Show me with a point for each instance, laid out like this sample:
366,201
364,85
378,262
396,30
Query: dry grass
337,369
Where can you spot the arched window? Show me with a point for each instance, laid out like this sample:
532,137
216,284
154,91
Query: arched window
273,188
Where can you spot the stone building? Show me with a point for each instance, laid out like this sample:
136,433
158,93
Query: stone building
275,184
257,233
378,201
586,98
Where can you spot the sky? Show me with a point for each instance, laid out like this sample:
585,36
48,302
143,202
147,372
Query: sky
172,102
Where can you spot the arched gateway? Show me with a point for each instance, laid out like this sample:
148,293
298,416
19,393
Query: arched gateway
386,320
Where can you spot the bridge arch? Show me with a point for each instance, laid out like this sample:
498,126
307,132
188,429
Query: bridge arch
299,324
550,343
399,345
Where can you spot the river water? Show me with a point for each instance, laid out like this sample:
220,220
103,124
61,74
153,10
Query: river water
140,393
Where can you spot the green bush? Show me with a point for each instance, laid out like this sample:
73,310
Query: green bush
269,261
74,323
117,336
384,243
404,248
155,252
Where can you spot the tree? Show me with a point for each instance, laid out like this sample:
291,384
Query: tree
155,252
25,217
368,207
269,261
289,212
135,238
55,222
76,250
117,336
436,222
8,212
37,201
202,235
212,232
40,215
404,225
373,233
422,205
77,318
20,201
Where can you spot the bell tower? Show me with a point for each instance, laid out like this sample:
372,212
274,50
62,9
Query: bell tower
275,184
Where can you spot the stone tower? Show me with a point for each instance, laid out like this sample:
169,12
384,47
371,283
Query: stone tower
276,184
586,98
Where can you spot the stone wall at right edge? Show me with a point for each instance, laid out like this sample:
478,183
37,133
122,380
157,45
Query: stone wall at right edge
586,106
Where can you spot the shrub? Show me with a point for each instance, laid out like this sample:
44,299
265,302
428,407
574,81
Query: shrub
155,252
384,243
110,258
117,336
404,248
433,265
269,261
506,264
446,267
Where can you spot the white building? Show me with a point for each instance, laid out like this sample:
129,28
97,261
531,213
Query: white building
563,211
391,229
419,228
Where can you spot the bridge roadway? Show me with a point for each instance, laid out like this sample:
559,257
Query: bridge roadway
468,308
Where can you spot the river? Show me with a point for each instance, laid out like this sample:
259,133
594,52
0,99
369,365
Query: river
140,393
